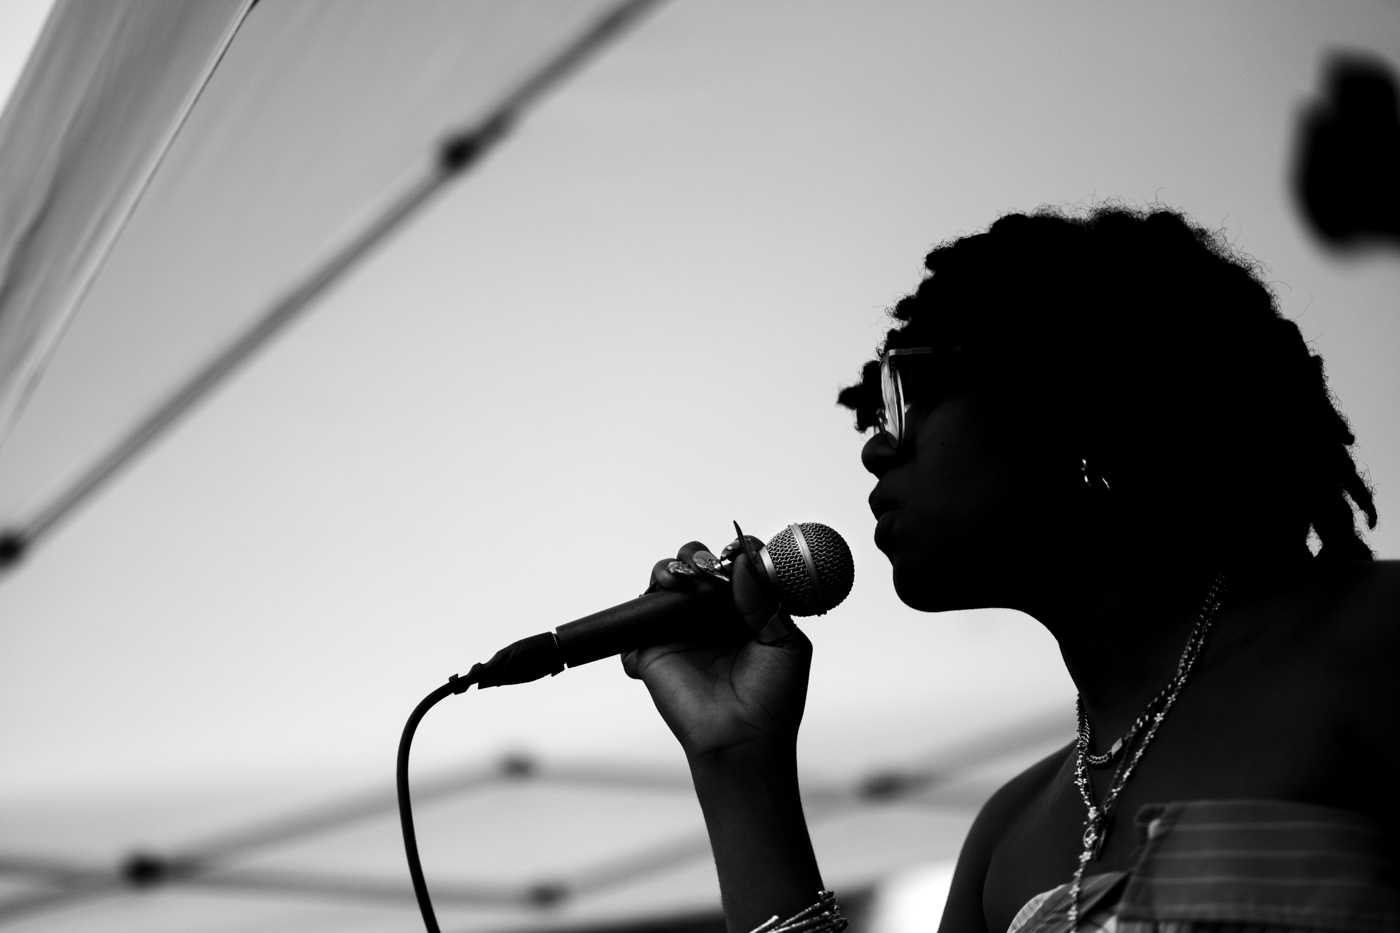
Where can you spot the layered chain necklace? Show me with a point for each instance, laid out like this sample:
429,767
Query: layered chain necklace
1095,823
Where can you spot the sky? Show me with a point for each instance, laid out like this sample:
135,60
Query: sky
622,331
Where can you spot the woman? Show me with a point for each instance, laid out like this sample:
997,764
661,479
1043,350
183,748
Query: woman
1104,422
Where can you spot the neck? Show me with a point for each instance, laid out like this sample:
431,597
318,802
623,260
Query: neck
1121,629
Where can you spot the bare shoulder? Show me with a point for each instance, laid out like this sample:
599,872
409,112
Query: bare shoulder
1376,586
1360,607
1358,628
1005,809
1025,790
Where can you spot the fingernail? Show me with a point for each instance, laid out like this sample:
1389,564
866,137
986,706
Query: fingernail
681,567
709,563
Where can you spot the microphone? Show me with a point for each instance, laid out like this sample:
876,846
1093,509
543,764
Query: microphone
809,566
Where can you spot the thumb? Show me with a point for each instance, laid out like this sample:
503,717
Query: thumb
754,596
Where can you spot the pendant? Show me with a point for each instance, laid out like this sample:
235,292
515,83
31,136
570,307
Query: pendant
1094,835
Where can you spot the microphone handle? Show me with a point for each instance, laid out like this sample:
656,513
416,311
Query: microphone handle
651,619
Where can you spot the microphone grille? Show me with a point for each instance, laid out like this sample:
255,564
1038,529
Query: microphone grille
814,582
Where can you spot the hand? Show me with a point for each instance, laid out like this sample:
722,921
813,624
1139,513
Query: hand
718,700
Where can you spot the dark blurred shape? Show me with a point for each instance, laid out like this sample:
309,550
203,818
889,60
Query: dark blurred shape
891,785
547,894
145,869
1348,170
11,548
518,766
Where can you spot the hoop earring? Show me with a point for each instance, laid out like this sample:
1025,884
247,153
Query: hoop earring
1093,480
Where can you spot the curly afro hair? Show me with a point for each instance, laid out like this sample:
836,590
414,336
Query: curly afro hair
1148,346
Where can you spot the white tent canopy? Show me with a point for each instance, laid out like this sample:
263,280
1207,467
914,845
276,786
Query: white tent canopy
320,119
108,88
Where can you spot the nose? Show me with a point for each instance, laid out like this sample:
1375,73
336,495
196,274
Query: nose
878,454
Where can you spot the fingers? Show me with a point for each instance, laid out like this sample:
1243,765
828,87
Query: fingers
695,567
629,665
671,574
688,550
678,573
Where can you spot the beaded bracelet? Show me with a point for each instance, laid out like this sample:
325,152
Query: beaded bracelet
822,917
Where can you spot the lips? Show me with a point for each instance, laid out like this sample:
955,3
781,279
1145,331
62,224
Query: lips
880,505
883,508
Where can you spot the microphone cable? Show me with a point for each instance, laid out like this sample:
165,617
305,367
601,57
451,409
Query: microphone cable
520,662
455,684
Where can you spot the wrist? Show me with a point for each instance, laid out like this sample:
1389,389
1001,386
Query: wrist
748,781
759,757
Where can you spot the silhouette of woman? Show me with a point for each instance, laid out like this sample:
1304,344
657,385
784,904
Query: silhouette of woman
1103,421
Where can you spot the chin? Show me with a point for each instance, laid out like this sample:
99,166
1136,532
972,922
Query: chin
942,585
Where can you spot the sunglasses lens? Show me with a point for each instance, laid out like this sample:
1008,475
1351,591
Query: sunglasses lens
892,411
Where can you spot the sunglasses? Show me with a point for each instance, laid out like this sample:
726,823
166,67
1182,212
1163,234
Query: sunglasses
894,396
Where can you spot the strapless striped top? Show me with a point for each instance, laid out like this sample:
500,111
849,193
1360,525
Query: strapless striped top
1236,866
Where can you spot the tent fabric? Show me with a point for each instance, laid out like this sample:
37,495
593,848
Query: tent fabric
103,96
318,116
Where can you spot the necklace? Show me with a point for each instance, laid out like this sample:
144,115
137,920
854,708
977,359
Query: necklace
1085,736
1095,822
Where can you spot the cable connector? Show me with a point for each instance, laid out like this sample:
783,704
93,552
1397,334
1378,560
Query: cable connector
526,660
460,684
